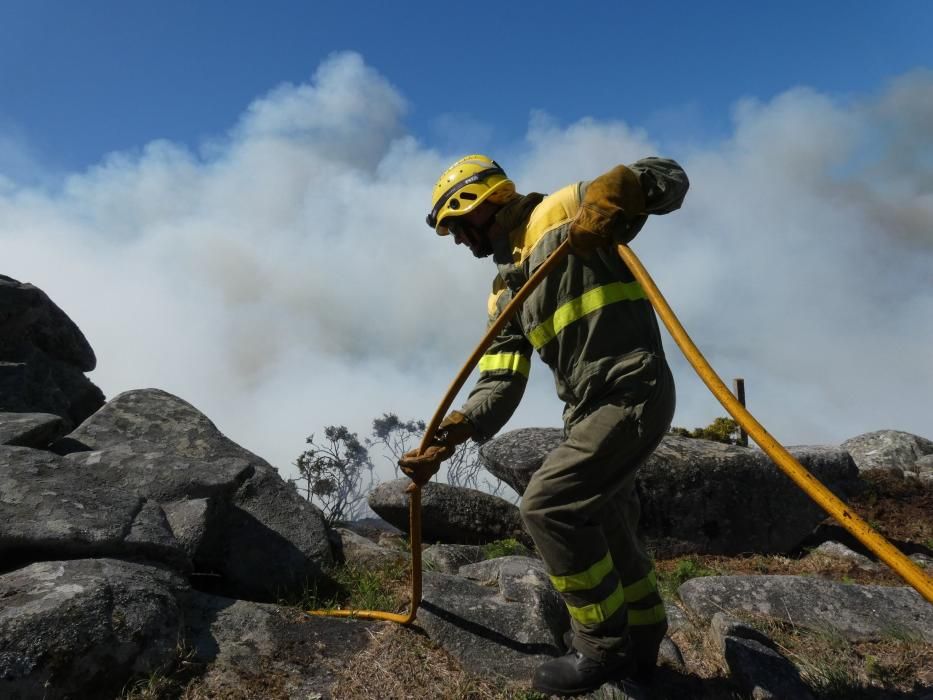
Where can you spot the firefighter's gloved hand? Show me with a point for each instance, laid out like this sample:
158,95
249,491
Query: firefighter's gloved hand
612,210
421,466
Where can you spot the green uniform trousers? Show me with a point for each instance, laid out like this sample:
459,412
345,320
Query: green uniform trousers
582,512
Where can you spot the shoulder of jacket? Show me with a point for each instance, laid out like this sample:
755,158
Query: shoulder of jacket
554,210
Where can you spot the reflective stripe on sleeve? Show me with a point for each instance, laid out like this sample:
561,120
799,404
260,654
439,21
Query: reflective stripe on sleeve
511,361
575,309
585,580
598,612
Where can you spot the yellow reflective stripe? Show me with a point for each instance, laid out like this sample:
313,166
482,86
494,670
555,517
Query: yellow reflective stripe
512,361
598,612
585,580
575,309
642,588
651,616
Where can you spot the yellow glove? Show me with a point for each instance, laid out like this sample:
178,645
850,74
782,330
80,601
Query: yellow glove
421,466
611,203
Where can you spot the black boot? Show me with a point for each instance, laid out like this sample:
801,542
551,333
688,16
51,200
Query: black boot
646,657
574,673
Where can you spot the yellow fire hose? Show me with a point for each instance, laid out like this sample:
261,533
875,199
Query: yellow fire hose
825,498
414,505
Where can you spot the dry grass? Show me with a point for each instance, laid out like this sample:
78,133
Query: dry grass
899,508
834,668
168,683
838,669
402,663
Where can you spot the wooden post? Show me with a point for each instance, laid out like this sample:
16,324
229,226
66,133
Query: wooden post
738,388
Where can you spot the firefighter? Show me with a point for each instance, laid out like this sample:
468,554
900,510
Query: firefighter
590,322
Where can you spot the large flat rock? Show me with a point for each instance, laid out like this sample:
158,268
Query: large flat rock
263,540
855,612
145,470
889,449
702,496
30,429
50,509
261,650
83,628
451,514
500,618
158,418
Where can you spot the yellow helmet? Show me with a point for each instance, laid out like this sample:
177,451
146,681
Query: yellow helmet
464,186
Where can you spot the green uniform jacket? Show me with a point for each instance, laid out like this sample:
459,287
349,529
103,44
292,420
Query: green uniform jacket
589,319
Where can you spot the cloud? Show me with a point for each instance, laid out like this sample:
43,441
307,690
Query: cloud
281,278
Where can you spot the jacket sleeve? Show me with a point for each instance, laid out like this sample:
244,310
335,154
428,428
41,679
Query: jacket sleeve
648,186
503,374
663,182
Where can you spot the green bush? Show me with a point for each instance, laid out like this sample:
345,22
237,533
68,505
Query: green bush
722,429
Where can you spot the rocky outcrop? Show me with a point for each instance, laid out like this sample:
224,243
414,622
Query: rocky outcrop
514,456
448,558
450,514
43,357
30,429
275,652
892,450
702,496
499,618
858,613
149,479
50,510
755,663
81,628
839,552
362,553
115,539
253,532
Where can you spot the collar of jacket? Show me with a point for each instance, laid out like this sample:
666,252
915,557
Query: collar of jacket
509,218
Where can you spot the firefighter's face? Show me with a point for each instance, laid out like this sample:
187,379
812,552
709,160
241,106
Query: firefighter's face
472,229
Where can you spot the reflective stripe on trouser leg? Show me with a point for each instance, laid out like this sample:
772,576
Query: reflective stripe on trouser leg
594,596
586,476
647,618
559,507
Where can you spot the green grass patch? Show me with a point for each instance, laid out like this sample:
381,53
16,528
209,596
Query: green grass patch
684,570
504,548
357,588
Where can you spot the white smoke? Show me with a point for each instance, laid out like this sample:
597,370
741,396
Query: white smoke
281,277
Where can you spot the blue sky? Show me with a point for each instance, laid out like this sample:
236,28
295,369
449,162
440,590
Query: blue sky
228,198
81,79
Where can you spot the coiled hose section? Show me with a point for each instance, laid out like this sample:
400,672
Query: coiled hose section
826,499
